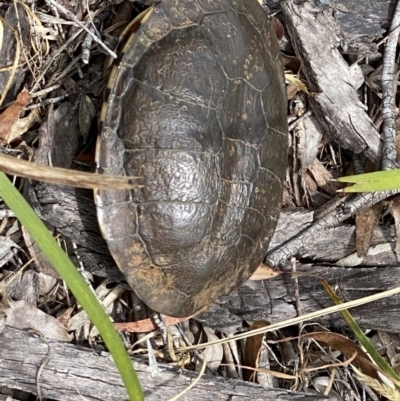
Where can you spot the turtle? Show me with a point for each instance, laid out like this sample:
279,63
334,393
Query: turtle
196,106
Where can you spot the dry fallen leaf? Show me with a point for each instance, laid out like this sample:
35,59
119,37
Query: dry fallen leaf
323,177
11,115
264,272
321,383
23,315
22,125
146,325
278,28
6,253
252,350
366,220
347,347
213,354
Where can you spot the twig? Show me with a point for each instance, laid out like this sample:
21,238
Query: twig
45,91
56,175
49,101
72,17
87,41
54,57
342,212
388,93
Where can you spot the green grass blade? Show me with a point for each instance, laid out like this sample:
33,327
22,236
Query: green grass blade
66,269
372,182
362,338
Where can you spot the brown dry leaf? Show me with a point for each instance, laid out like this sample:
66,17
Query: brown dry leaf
264,272
11,115
289,354
278,28
23,315
291,63
65,317
366,220
253,349
323,177
23,124
310,182
348,348
396,215
146,325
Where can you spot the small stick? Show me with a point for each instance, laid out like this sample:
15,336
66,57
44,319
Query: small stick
73,18
388,94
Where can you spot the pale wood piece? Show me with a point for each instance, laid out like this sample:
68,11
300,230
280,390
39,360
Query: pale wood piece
333,98
274,300
71,370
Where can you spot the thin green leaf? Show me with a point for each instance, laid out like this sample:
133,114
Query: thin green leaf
66,269
372,182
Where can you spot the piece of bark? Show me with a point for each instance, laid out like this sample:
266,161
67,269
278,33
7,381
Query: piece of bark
274,300
362,23
336,243
25,286
15,16
73,372
315,37
71,211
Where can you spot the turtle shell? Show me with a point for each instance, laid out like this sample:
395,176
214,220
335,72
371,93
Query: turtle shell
196,106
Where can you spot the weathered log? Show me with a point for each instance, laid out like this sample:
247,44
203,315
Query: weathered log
333,96
274,300
72,372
